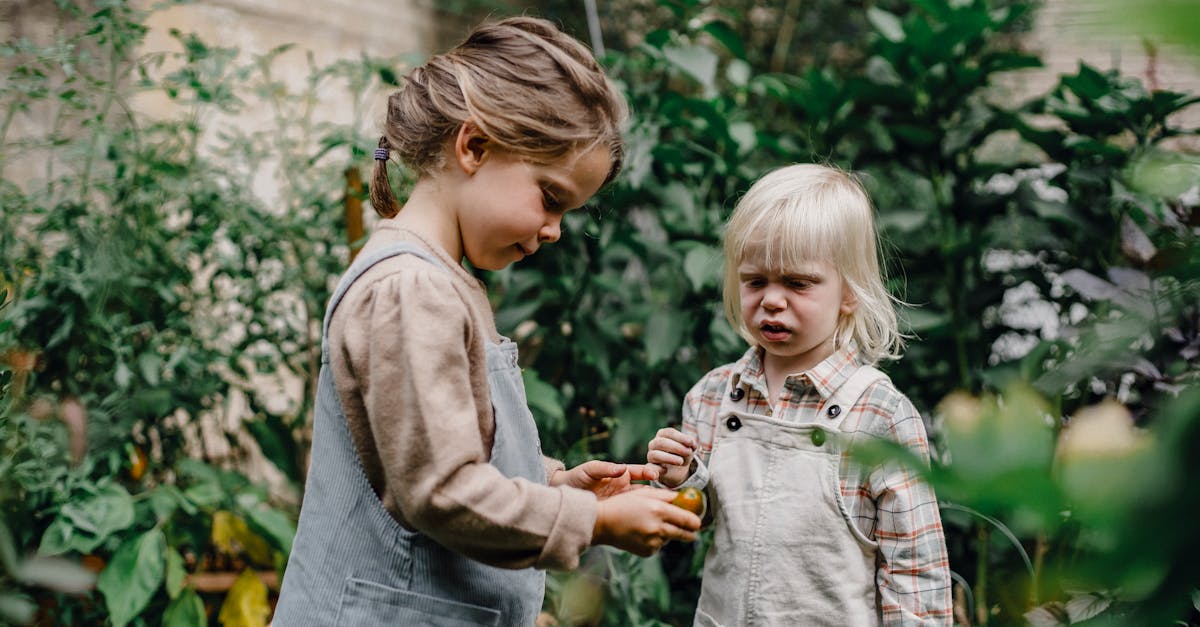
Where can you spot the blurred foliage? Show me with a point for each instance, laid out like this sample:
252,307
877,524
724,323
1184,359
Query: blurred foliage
1048,248
147,293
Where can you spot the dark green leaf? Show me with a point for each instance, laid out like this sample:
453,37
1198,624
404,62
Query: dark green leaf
135,573
187,610
728,37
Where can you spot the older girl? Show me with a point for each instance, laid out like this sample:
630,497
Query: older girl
428,501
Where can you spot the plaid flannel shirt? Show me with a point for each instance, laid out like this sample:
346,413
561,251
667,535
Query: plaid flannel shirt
889,503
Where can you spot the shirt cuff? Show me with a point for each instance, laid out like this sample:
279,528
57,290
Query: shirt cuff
571,534
697,478
552,466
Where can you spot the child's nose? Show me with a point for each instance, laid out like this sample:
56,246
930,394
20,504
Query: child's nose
550,231
773,300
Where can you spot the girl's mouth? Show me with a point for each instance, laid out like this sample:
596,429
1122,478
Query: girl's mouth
774,332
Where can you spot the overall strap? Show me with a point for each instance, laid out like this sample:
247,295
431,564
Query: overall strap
361,265
850,391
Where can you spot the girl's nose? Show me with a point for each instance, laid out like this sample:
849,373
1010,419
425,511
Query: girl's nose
550,231
773,301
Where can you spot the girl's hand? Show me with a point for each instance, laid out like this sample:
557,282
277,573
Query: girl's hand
642,521
671,452
605,479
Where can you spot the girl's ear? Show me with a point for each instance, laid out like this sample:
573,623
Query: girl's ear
470,147
849,300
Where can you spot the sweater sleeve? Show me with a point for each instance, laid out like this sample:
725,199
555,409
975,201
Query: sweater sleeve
425,421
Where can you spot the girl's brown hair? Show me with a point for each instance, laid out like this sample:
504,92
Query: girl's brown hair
533,90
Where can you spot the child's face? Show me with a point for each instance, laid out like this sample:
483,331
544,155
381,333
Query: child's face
510,207
793,315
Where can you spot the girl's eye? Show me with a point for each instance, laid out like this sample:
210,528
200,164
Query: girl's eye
755,282
549,201
798,284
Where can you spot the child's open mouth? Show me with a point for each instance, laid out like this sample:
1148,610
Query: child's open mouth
774,332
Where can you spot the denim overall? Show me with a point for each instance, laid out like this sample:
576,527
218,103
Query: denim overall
353,564
785,552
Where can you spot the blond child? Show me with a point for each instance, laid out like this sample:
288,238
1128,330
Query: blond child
802,534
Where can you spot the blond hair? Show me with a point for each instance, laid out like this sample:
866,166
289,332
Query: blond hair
531,89
804,213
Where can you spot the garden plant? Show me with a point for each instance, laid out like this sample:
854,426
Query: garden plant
159,321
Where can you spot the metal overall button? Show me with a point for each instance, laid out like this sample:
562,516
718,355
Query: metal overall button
737,394
734,423
833,411
818,437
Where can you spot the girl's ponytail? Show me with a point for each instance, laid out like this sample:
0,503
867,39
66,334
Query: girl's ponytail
381,188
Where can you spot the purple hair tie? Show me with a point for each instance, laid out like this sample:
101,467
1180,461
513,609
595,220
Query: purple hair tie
381,154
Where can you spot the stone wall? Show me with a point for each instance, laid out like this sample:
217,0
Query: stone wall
1070,31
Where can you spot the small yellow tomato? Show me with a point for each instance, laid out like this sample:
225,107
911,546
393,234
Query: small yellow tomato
691,499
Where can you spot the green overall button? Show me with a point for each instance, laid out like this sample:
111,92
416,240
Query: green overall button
818,437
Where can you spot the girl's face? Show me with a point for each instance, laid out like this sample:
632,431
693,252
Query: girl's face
509,207
793,315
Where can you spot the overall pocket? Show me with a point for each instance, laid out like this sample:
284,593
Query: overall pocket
368,603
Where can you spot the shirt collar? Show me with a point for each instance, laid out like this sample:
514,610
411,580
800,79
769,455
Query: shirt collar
825,377
748,370
833,371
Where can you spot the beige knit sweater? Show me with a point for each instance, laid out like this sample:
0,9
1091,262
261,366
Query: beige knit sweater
408,357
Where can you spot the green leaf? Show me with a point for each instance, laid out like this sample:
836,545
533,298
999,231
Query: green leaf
8,550
702,266
728,37
205,494
744,134
110,510
16,608
187,610
509,317
150,366
881,72
738,72
544,399
697,61
920,320
274,525
634,427
664,331
133,576
175,573
887,24
59,537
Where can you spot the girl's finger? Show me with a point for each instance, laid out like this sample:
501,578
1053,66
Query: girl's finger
643,472
600,469
663,458
670,446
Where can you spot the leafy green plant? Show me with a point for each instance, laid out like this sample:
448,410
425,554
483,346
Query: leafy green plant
146,289
147,292
977,196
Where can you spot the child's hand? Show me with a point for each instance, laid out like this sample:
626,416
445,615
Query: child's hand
671,450
604,479
642,521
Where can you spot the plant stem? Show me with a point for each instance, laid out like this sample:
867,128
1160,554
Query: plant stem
1039,561
983,537
109,98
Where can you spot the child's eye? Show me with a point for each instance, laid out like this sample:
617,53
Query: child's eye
549,201
798,284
